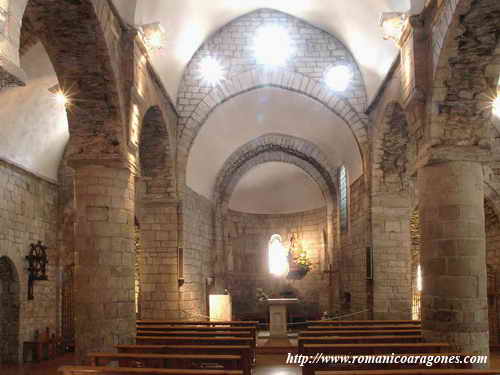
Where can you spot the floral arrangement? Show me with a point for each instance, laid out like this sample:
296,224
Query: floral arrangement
302,260
300,264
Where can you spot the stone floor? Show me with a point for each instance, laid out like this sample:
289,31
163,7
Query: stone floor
266,365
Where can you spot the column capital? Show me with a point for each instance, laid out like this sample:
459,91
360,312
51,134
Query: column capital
113,162
441,154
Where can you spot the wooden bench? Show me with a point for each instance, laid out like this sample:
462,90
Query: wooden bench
195,333
88,370
365,327
373,332
232,323
358,340
310,369
376,348
253,330
361,322
194,340
245,351
413,372
179,361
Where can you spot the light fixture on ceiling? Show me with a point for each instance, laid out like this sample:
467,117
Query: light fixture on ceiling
211,71
496,105
338,77
272,45
392,24
154,36
59,96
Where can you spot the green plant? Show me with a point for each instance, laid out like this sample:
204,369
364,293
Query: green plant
302,260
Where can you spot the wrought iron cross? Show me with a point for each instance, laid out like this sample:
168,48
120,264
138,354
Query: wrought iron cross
37,265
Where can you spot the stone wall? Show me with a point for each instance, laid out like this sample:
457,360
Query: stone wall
198,224
353,252
492,226
246,239
28,211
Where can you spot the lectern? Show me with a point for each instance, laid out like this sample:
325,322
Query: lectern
277,316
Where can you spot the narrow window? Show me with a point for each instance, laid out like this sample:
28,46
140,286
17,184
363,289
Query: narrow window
343,189
278,256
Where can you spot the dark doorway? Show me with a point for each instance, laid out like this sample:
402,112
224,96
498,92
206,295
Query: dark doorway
9,312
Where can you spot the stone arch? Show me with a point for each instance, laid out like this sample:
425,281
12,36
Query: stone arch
9,313
466,75
391,215
190,123
277,143
157,214
85,63
155,151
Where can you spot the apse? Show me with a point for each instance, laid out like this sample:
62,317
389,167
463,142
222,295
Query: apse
263,191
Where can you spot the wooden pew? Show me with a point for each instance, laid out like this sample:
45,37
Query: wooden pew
361,322
195,333
179,361
373,332
365,327
253,329
312,368
193,340
141,348
357,340
231,323
88,370
245,351
413,372
376,348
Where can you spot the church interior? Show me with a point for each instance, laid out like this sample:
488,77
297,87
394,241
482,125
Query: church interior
210,187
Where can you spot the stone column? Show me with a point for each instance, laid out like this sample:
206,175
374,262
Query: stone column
454,297
160,297
104,261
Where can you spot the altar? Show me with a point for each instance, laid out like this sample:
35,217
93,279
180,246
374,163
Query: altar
278,316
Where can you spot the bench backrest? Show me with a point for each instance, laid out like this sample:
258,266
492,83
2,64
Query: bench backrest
183,340
147,332
365,327
413,372
88,370
373,332
361,322
231,323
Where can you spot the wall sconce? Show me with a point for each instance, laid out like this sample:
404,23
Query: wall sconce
154,36
392,24
37,266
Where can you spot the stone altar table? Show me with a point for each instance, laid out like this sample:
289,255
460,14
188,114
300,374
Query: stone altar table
277,316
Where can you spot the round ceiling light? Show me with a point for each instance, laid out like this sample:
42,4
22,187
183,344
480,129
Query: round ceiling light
338,77
272,45
211,71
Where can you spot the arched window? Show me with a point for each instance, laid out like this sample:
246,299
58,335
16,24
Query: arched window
343,199
278,256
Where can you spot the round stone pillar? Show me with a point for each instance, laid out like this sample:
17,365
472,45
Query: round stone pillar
454,296
104,261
